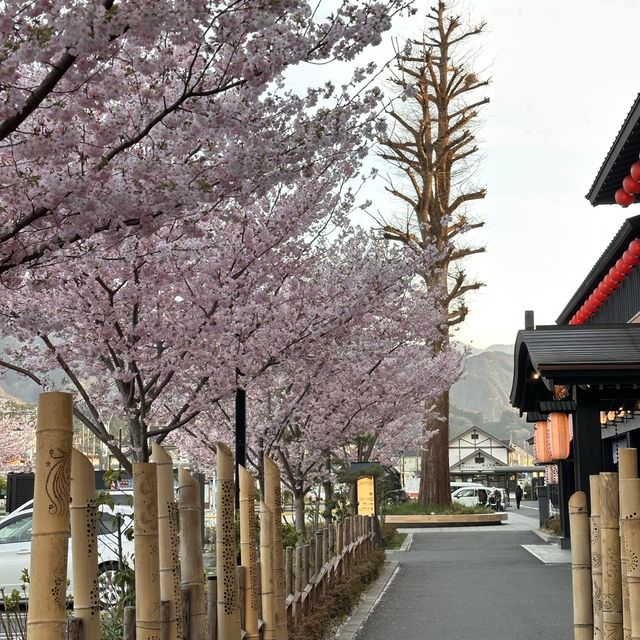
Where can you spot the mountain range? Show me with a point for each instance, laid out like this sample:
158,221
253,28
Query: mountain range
481,397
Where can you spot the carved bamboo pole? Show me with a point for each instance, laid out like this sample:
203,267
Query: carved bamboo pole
248,555
191,560
580,567
627,468
273,499
147,561
266,572
630,519
596,556
169,546
46,619
611,579
84,545
229,626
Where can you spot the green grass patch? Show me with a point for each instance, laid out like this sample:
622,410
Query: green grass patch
391,538
414,508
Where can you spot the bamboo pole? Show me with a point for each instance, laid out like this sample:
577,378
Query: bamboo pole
229,627
248,555
273,499
611,578
581,567
169,546
630,518
596,556
147,562
84,545
191,560
46,619
627,468
266,572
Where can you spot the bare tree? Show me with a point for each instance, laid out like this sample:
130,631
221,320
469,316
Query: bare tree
432,144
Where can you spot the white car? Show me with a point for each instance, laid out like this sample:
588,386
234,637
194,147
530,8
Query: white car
113,546
468,496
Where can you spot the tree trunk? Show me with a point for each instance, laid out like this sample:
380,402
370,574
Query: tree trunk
298,496
434,481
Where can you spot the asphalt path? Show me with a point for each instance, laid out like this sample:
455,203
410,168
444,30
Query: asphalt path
477,585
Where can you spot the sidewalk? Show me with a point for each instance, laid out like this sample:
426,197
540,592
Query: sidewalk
476,583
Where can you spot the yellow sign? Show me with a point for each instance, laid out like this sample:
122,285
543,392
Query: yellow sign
366,496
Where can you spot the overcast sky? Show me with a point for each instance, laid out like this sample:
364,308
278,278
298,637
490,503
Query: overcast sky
563,79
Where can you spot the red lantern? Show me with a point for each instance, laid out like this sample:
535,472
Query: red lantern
615,275
600,297
634,245
630,185
623,268
629,259
623,198
541,442
606,287
635,170
559,435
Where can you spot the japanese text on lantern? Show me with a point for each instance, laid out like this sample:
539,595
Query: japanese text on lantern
366,496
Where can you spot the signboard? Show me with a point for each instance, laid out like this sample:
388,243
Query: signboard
477,467
367,496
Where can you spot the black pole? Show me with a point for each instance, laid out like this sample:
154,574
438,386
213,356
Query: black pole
241,436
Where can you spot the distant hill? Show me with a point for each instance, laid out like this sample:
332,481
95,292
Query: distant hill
481,397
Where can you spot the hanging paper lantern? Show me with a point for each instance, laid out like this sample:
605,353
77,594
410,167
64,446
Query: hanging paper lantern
635,170
600,297
629,259
541,442
607,286
623,268
634,247
623,198
615,275
630,185
559,435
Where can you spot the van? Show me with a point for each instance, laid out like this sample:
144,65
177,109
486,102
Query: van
462,485
468,496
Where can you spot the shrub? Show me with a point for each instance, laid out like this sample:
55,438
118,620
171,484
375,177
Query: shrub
339,600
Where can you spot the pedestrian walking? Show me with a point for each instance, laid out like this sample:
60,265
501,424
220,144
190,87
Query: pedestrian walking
518,495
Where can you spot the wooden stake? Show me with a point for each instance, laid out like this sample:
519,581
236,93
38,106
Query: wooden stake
84,545
581,567
212,607
273,499
47,618
611,576
229,627
248,553
169,546
191,560
266,572
288,570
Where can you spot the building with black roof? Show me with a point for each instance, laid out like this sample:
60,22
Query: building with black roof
588,364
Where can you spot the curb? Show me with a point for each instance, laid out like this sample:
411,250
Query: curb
368,602
547,537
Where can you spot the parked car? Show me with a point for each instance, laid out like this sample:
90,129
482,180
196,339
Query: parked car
114,546
469,496
463,485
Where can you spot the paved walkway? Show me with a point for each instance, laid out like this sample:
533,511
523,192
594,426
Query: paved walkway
471,583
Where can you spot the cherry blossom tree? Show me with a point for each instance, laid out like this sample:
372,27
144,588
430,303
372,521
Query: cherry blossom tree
353,383
118,117
17,431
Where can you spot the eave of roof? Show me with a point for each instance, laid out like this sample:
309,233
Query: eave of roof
622,154
629,230
603,354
